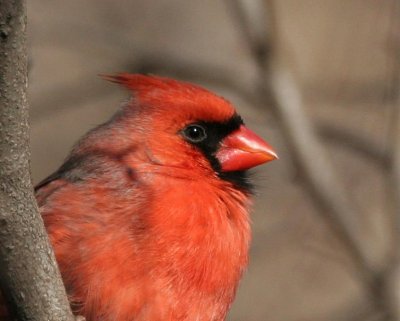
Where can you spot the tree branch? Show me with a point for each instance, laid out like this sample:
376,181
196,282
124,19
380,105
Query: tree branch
278,85
371,150
314,165
29,278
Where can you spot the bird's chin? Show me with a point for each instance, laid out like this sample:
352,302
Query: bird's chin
240,180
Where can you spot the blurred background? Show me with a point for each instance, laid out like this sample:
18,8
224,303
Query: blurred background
319,80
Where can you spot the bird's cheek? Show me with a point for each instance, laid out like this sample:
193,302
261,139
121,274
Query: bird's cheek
242,150
168,153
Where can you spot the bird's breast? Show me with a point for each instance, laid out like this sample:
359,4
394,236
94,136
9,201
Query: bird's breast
200,237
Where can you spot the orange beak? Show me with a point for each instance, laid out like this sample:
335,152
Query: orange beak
242,150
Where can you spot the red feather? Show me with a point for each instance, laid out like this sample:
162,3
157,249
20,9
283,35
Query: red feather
142,226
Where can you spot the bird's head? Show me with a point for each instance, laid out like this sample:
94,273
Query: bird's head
185,126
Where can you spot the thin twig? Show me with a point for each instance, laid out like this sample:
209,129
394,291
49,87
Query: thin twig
353,140
314,166
277,84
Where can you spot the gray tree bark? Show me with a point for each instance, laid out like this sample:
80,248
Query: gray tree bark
29,277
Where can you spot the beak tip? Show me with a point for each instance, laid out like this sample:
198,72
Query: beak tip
269,153
274,156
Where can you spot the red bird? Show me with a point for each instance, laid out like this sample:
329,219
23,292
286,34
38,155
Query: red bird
148,216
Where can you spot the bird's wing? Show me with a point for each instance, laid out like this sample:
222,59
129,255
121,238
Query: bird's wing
67,168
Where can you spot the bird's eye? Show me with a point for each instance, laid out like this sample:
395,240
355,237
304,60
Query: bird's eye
195,133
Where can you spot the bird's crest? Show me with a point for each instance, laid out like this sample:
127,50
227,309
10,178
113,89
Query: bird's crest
142,84
165,92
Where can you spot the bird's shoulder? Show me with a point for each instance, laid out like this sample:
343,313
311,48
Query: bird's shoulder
87,179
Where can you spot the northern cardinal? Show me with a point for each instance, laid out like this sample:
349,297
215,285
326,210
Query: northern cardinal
148,216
